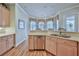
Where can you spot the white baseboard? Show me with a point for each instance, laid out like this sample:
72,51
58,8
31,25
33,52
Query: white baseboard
19,43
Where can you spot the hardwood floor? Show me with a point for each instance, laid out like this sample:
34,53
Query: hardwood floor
22,50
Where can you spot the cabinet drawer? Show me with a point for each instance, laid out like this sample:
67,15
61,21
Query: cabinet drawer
67,42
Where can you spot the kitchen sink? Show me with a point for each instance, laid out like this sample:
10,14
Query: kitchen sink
54,35
64,36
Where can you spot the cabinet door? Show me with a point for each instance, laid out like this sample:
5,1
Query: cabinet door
10,41
5,17
4,44
31,42
51,45
65,50
40,42
0,46
36,42
47,43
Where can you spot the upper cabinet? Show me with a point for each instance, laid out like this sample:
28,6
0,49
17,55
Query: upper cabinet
4,16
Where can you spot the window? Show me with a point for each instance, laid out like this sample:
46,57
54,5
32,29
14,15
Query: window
33,25
50,25
41,25
70,24
57,24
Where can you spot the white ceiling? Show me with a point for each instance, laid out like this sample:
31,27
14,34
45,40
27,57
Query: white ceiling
44,9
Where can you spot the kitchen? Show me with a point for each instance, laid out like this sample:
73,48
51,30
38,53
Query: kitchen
52,28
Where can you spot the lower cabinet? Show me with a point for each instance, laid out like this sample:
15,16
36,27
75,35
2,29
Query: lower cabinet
3,45
55,45
51,45
36,42
10,41
66,47
39,42
0,46
6,43
61,46
65,50
31,42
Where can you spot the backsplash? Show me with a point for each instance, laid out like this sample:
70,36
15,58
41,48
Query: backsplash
7,30
2,30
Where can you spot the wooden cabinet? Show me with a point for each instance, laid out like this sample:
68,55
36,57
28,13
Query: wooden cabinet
6,43
61,47
78,48
66,48
0,46
36,42
10,41
4,17
35,39
39,42
31,42
55,45
51,45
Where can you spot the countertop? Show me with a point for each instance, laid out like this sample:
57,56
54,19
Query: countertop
5,34
73,38
8,31
38,33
